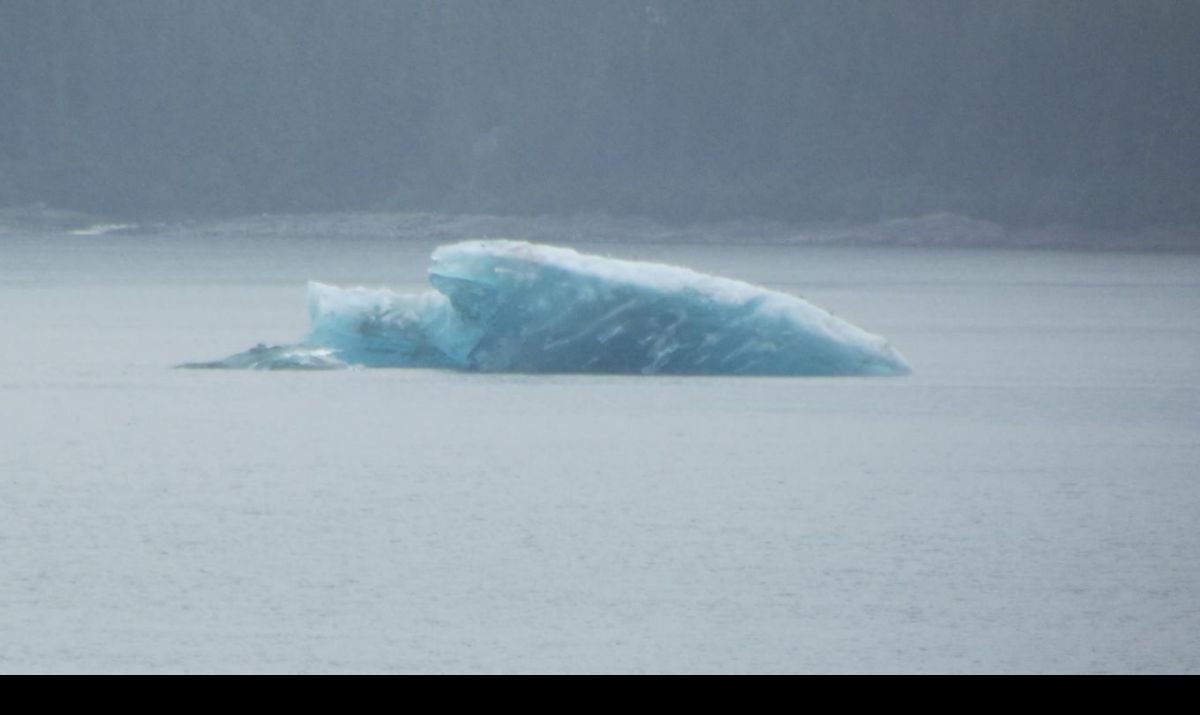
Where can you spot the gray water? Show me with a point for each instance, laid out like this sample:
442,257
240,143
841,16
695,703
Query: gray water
1026,501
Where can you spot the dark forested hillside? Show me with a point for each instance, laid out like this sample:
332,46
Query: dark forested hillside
1021,111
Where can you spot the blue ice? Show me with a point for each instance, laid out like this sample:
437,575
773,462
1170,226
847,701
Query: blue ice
511,306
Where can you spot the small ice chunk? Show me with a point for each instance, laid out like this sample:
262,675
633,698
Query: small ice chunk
276,357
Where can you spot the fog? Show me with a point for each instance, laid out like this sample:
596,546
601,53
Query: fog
1021,113
866,341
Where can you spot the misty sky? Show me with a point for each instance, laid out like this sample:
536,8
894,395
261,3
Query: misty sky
1017,111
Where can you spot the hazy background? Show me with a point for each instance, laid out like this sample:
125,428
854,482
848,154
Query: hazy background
1020,112
172,173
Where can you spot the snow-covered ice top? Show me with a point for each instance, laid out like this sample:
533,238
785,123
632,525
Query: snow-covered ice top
512,306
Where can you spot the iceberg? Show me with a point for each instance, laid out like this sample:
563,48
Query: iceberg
512,306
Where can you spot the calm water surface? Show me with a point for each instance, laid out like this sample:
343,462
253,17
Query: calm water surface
1026,501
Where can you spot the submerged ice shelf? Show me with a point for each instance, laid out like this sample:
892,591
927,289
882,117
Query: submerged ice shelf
511,306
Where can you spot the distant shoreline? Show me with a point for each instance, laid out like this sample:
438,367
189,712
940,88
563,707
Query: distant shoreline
936,230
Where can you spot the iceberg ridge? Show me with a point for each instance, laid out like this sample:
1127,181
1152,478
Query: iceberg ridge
511,306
